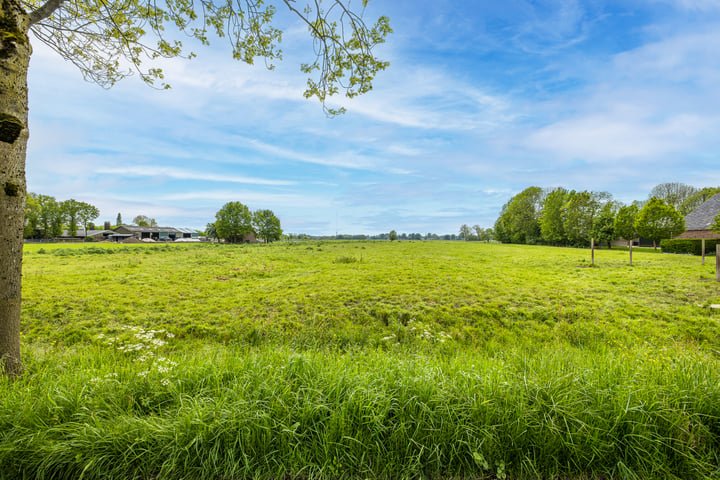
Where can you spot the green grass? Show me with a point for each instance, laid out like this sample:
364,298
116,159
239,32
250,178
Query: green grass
484,296
438,360
280,413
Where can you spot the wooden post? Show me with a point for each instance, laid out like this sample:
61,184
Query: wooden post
592,251
717,262
630,248
703,251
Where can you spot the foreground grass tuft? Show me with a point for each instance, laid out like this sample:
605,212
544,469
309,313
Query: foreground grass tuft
278,413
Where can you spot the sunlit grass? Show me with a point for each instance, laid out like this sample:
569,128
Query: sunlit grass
279,413
479,294
437,360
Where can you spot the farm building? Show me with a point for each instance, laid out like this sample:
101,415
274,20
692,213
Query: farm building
697,222
96,235
162,234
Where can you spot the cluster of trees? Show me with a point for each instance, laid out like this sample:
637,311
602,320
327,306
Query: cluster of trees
45,217
139,220
684,198
234,222
568,217
144,221
476,233
393,235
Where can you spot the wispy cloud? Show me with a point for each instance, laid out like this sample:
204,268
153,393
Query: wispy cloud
254,199
693,5
174,173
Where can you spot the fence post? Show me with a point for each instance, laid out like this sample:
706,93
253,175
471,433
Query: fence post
703,251
717,262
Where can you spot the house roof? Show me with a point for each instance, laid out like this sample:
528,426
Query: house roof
90,233
698,235
703,216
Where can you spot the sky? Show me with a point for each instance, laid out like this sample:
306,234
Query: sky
482,99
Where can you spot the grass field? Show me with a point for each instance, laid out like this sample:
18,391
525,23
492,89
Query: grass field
363,360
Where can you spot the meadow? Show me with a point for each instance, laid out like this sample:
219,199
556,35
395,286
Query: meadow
438,360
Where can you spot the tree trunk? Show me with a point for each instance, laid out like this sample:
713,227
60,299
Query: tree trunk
14,59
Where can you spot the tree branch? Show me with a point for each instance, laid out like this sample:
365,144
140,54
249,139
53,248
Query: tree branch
45,11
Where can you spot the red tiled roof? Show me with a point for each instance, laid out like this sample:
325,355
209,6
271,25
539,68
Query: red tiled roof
698,235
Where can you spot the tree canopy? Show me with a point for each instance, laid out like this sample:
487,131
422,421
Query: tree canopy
715,226
673,193
552,217
45,217
658,220
625,222
233,222
518,221
144,221
266,225
696,199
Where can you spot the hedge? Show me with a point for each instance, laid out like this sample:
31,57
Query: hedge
692,247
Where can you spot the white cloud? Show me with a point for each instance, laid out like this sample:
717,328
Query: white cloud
254,199
693,5
615,137
651,103
174,173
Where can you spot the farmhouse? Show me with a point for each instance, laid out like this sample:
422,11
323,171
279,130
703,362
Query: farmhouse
697,222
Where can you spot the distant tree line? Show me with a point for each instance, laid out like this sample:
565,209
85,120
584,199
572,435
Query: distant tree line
45,217
393,235
572,218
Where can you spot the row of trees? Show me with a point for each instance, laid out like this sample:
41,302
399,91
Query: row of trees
45,217
234,223
568,217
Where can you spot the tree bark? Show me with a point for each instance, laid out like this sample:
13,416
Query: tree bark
14,59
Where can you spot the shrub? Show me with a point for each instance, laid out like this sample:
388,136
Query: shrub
345,259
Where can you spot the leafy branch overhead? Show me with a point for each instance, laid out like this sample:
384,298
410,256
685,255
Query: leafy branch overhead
109,40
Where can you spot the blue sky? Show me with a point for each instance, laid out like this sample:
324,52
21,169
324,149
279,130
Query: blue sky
482,99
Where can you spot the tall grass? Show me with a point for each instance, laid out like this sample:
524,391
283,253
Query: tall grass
278,413
418,360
